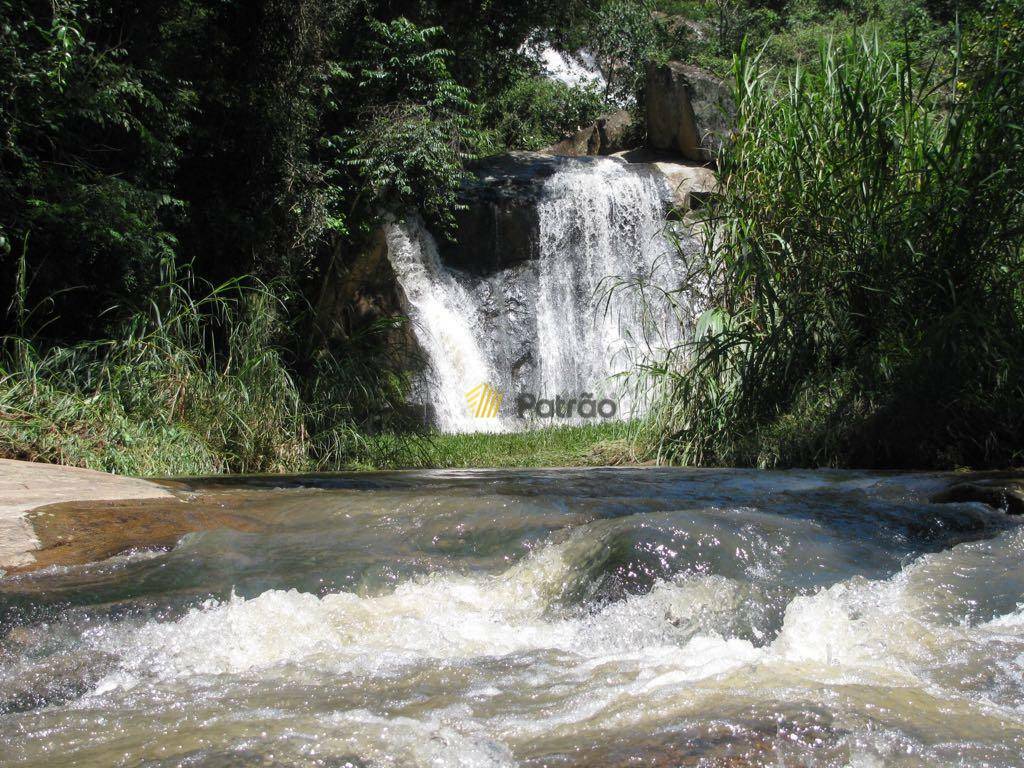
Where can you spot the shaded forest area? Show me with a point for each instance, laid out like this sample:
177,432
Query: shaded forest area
179,179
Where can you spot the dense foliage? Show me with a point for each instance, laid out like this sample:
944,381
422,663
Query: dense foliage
866,266
249,144
180,180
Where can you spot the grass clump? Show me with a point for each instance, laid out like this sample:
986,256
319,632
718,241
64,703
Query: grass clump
865,269
186,385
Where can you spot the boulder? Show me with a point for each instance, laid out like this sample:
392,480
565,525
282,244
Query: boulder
609,134
614,132
1003,493
689,111
689,185
586,141
497,224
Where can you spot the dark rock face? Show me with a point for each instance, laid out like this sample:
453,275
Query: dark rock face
499,226
689,111
361,293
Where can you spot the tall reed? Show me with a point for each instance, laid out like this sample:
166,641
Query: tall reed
866,268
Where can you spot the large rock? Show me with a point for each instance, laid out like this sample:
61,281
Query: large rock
689,111
1003,492
25,486
689,185
361,291
497,224
607,135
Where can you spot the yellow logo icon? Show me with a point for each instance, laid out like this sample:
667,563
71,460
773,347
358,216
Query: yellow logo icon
484,401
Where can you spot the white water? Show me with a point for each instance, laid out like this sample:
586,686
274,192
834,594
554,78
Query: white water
559,618
601,240
446,326
597,309
578,69
868,649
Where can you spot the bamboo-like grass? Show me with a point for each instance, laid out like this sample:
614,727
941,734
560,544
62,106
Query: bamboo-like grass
866,270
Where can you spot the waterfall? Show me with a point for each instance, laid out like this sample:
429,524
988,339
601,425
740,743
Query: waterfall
583,310
444,321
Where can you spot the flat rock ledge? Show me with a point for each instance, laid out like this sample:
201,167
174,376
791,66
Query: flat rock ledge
26,486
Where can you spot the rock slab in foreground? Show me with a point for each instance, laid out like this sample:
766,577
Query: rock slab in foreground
26,485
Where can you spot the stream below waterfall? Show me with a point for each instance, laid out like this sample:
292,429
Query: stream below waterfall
619,617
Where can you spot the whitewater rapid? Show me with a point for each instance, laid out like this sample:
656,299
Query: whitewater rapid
795,622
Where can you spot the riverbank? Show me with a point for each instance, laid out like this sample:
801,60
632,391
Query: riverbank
604,444
592,445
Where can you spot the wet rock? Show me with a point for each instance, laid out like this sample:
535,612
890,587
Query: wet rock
689,111
498,225
26,485
73,533
689,185
1004,493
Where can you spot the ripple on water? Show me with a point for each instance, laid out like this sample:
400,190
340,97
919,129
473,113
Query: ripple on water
658,619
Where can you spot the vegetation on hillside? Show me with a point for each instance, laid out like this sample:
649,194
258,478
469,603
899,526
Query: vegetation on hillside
866,269
178,180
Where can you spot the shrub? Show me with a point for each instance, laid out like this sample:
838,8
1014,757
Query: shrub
537,111
866,271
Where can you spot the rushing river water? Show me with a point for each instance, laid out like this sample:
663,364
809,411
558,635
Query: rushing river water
539,618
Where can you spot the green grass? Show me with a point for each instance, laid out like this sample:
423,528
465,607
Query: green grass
192,383
604,444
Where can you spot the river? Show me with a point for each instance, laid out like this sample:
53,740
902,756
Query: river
599,617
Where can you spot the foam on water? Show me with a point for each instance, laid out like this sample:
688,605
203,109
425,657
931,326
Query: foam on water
865,632
441,617
468,667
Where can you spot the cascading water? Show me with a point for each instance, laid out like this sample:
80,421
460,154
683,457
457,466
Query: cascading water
588,306
445,320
